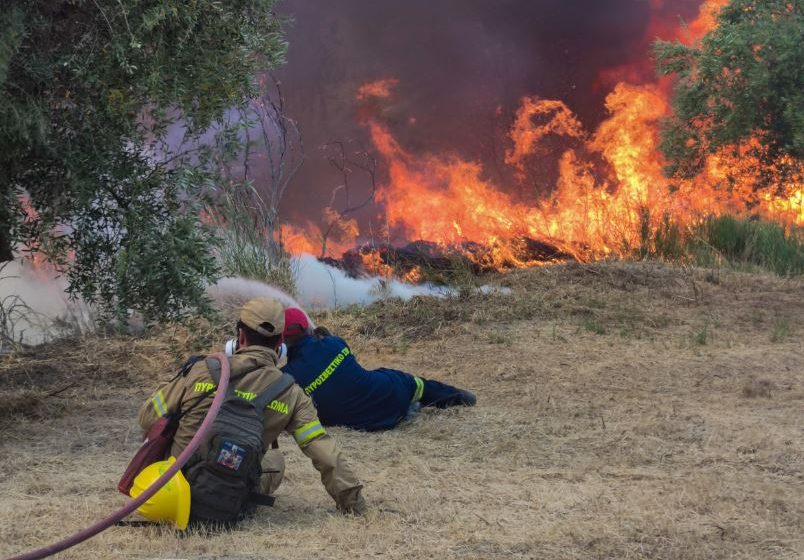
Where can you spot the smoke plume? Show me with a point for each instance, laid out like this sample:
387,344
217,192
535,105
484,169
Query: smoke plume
35,307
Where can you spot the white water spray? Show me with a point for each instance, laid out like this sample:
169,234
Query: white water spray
322,286
319,286
42,303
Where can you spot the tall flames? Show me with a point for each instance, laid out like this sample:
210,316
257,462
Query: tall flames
610,181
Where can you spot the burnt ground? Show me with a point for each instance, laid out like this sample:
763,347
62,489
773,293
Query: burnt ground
625,411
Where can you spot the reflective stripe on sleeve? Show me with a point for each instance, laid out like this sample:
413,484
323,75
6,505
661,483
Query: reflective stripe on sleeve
158,401
309,432
417,394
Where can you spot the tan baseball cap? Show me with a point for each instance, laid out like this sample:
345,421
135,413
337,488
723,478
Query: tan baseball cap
264,315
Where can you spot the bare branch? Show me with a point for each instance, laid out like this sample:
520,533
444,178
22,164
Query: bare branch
364,161
273,152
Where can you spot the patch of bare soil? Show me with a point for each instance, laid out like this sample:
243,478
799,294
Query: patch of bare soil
624,411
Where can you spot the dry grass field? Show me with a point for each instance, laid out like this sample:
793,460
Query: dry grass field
625,411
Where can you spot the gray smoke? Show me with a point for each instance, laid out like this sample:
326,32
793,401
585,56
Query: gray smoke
35,307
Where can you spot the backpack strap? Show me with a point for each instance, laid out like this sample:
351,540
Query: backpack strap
274,390
214,367
187,366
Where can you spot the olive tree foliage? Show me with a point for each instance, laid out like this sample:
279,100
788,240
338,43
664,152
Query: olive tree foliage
744,80
106,112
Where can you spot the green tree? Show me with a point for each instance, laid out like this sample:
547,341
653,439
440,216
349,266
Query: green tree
108,111
745,79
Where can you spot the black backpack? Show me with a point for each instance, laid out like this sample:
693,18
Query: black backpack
224,472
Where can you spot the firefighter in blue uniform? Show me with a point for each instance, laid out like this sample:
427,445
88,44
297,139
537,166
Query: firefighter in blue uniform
345,393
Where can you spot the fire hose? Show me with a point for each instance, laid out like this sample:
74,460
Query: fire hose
130,507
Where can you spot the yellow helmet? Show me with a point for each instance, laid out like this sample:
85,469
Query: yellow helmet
171,502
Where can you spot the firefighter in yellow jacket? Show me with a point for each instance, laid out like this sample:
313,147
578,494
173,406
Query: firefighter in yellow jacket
253,370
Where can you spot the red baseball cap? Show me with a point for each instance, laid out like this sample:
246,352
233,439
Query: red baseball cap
296,322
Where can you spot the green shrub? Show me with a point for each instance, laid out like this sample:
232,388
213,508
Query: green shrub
245,247
253,260
749,241
717,239
668,239
594,326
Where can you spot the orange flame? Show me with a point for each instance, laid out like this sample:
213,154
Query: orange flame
33,257
447,200
414,275
379,89
526,135
374,264
704,23
334,236
610,182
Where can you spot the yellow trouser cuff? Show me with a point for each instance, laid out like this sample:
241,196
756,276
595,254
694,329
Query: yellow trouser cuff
417,394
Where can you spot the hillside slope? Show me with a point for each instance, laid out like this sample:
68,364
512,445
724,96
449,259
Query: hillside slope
625,411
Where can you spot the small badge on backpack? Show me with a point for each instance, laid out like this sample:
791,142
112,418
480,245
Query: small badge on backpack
231,456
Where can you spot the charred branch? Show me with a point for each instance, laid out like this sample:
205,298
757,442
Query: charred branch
436,258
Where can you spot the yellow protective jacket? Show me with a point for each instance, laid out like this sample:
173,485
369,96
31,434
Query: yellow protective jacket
253,369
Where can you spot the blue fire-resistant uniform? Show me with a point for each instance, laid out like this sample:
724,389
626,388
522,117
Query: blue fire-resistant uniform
345,393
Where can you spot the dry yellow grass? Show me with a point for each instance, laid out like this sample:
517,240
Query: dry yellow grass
625,411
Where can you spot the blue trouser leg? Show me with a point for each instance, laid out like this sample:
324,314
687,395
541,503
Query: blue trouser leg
439,395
